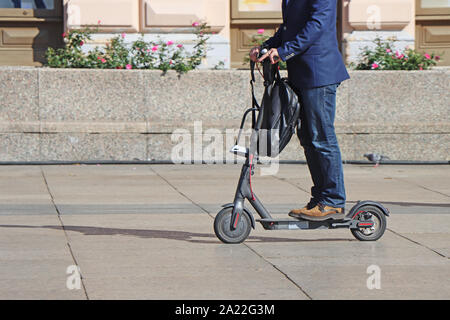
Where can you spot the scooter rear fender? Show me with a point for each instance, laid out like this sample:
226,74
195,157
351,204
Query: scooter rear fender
360,204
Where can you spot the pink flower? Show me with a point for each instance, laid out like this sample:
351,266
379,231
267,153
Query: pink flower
398,55
129,67
426,55
103,60
155,48
388,50
98,22
169,43
195,24
64,35
99,58
375,66
180,46
437,58
148,50
81,42
260,31
420,68
170,62
123,35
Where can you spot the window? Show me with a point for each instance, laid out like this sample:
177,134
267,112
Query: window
259,5
255,9
28,4
433,7
435,3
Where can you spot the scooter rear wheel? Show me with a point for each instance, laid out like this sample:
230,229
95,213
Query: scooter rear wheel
375,215
222,227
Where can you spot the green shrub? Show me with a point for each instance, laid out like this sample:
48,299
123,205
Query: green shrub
116,54
385,57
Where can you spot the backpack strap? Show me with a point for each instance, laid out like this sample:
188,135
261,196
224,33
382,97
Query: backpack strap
277,73
252,69
255,105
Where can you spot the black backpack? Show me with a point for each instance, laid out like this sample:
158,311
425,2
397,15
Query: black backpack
281,111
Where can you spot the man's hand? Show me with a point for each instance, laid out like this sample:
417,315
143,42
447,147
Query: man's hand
254,53
272,54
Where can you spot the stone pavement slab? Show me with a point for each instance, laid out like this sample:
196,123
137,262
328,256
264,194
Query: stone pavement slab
333,265
146,232
162,256
34,259
23,191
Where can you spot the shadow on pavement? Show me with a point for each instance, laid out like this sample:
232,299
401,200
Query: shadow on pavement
164,234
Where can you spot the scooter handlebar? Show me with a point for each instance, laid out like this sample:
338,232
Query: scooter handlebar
262,52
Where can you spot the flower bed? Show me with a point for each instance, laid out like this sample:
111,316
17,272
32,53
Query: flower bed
139,55
385,57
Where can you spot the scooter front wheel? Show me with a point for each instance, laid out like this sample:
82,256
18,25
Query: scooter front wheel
223,230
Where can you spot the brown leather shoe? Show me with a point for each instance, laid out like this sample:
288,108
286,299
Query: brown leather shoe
298,211
302,210
319,213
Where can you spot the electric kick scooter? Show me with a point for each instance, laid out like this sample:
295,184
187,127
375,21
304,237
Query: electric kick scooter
366,220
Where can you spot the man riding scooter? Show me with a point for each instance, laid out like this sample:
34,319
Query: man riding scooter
307,41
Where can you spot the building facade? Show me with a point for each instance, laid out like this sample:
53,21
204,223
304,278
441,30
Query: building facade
28,27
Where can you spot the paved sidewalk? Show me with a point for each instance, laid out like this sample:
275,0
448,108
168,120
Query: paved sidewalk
146,232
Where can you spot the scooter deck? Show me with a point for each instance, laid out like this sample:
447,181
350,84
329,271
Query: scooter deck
299,224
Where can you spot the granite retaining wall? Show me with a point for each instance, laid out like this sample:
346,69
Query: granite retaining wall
88,115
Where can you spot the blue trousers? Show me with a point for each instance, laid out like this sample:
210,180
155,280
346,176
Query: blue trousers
318,138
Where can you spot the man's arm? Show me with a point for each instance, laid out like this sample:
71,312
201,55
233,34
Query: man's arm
272,42
275,40
321,13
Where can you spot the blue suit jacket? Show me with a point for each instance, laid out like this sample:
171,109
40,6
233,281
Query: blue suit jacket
307,41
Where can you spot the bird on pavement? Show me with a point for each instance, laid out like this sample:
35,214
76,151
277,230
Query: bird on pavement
376,158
